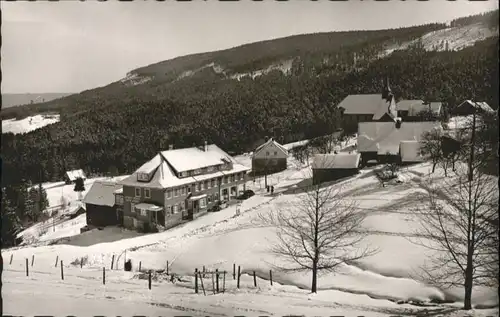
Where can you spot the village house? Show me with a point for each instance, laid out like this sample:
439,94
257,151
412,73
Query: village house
368,108
411,110
270,157
180,184
381,141
330,167
101,206
71,176
469,107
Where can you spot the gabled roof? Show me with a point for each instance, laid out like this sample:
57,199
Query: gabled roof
385,137
416,108
362,104
337,161
73,175
165,165
480,105
405,105
182,160
367,104
385,108
269,142
102,193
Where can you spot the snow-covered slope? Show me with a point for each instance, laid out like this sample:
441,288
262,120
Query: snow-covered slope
451,38
28,124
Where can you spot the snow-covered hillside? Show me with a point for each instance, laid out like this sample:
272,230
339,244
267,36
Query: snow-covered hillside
133,79
452,38
28,124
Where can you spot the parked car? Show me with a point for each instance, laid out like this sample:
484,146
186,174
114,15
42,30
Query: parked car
219,205
246,194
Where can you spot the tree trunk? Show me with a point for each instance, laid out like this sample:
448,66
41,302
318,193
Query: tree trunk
314,278
468,283
434,163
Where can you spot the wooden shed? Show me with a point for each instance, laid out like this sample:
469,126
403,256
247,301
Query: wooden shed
101,206
330,167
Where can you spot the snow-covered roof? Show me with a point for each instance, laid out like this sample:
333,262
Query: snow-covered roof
405,105
480,105
164,175
410,151
73,175
340,161
416,108
269,142
385,137
187,159
368,104
102,193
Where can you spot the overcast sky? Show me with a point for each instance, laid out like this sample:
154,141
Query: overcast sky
72,46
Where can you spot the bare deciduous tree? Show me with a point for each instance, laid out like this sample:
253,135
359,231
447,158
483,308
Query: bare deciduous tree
319,233
459,226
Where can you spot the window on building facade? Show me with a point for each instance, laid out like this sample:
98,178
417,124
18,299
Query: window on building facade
202,186
275,153
119,199
176,192
267,153
203,203
147,192
209,198
225,179
198,186
176,209
210,169
169,193
189,189
181,207
213,182
197,171
183,190
207,184
137,192
168,209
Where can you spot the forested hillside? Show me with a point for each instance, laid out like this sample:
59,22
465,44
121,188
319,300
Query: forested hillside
116,128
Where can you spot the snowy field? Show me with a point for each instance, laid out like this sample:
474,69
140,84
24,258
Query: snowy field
380,285
28,124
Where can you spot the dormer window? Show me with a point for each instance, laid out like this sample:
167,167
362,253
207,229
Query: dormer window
183,174
210,169
143,177
197,171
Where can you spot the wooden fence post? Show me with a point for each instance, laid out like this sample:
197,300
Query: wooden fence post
213,284
103,275
239,274
217,280
149,280
11,256
271,277
124,259
57,260
32,259
112,261
254,279
167,267
27,269
62,271
81,262
196,281
234,271
202,286
140,266
203,270
224,282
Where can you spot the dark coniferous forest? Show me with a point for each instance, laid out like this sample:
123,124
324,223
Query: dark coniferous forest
116,128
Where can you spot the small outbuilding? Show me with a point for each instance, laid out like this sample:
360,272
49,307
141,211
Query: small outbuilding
100,204
330,167
469,107
269,158
71,176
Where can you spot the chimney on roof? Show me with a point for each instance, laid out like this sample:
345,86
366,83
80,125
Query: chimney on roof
398,123
205,148
266,138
